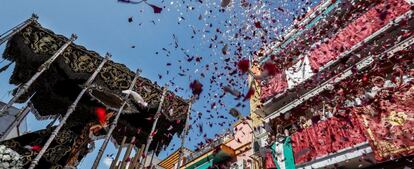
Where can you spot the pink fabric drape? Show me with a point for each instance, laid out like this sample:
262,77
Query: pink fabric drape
391,130
320,137
269,161
326,137
276,84
357,31
302,147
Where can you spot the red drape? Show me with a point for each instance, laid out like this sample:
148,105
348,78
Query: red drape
320,137
302,147
276,84
357,31
326,137
390,132
270,164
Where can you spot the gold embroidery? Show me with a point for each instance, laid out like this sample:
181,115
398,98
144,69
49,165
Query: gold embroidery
114,77
396,118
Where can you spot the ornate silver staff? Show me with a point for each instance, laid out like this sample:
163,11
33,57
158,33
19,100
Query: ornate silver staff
183,137
18,28
17,121
113,164
154,125
135,164
127,153
71,109
152,156
45,66
114,123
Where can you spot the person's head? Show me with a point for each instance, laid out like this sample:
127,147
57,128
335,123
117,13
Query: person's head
302,119
378,81
328,107
278,128
273,137
286,132
320,113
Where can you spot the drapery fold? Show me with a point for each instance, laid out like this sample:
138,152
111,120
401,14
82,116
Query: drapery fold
270,164
275,85
299,72
325,138
357,31
390,132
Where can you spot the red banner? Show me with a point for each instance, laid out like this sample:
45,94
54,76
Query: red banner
276,84
326,137
357,31
270,163
391,129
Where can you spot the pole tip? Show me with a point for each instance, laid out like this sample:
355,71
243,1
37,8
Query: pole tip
108,55
138,71
73,37
34,16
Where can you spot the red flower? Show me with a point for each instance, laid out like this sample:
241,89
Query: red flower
155,8
258,25
36,148
270,68
101,114
196,87
244,65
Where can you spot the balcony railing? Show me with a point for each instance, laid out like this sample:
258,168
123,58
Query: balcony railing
209,147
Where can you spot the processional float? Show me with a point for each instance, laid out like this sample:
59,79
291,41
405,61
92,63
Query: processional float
60,79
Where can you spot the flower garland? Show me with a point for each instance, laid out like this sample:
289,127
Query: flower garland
9,158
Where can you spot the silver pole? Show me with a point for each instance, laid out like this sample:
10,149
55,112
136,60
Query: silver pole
114,123
71,109
115,161
152,156
45,66
183,137
154,125
127,153
135,164
18,28
19,118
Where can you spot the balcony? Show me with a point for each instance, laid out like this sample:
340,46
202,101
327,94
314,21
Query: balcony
329,142
356,156
276,96
209,147
219,154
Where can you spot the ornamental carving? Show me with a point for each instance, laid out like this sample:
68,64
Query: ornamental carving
40,42
79,63
54,154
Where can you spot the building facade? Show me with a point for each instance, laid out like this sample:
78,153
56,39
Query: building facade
233,149
341,92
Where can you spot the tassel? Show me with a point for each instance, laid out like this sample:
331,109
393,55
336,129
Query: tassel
4,68
101,115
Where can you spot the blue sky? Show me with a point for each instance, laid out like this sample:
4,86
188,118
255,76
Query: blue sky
102,26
